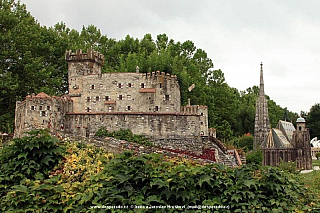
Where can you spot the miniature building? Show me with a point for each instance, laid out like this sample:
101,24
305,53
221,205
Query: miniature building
283,143
261,123
145,103
288,144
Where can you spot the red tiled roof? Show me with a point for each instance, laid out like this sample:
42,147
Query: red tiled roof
42,95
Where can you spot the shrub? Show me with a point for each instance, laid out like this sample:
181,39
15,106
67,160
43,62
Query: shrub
254,157
124,135
318,155
290,167
25,157
246,141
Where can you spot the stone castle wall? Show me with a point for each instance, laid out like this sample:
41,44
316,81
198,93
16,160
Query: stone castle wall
41,111
157,125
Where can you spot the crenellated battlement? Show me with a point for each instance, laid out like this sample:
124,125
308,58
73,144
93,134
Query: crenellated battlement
159,75
91,55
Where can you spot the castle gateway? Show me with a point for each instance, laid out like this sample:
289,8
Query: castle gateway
146,103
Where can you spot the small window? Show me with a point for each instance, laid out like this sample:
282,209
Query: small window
119,85
130,85
97,98
88,99
48,108
120,97
160,85
32,108
156,108
167,97
92,86
201,123
40,107
201,114
43,113
142,85
88,109
107,98
58,109
129,108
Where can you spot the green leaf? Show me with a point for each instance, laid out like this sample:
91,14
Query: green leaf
23,155
20,188
204,178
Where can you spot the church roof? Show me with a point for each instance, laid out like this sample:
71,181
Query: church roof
287,128
276,139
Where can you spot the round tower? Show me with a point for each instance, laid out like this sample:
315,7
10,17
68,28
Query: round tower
301,124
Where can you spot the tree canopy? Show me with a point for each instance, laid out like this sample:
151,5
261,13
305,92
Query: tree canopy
32,60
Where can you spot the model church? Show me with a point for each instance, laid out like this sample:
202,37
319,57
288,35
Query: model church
283,143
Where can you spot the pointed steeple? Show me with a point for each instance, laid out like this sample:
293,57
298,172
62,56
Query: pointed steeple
261,123
261,90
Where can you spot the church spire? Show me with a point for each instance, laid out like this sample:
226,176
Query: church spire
261,90
261,123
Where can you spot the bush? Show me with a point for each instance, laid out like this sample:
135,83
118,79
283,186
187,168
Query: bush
124,135
254,157
28,156
246,141
290,167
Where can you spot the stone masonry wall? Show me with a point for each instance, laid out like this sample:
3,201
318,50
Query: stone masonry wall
157,125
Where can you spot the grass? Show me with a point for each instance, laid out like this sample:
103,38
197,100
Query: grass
316,163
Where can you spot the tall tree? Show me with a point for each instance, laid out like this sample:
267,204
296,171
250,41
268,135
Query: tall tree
313,121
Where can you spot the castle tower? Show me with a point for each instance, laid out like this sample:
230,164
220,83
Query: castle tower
261,123
82,64
301,142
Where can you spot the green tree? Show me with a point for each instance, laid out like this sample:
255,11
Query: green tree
313,120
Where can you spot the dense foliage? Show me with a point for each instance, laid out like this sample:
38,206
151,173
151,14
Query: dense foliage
313,121
254,157
124,134
29,157
88,178
32,60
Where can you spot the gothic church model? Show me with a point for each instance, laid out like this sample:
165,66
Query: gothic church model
283,143
145,103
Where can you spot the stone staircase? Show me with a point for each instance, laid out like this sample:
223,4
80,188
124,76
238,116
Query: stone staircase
223,157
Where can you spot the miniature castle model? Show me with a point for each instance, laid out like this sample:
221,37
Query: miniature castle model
283,143
146,103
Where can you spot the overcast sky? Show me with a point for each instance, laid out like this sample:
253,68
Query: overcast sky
237,35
